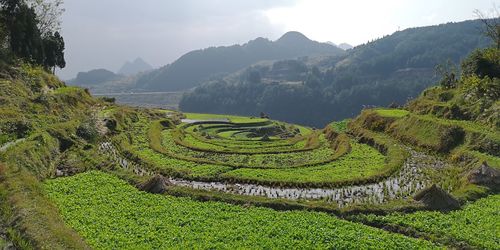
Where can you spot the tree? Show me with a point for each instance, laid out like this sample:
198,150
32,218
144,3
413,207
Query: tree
22,34
482,62
54,51
60,62
48,14
21,25
491,25
448,73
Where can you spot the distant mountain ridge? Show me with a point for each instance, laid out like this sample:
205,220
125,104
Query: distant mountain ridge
313,91
94,77
196,66
134,67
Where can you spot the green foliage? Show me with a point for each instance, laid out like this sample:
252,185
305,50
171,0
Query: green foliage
60,130
33,221
481,88
41,116
26,41
24,37
340,126
393,113
476,224
428,133
472,107
35,155
362,164
54,51
109,213
482,62
448,73
88,130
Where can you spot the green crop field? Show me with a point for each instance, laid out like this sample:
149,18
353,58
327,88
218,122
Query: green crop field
261,162
477,224
111,214
362,162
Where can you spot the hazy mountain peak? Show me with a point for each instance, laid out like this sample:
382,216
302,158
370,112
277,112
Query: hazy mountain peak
293,37
139,60
258,40
331,43
134,67
345,46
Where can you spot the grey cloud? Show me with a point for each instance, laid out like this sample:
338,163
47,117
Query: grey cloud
105,33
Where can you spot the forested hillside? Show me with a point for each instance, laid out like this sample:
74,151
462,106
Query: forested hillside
314,91
196,66
94,77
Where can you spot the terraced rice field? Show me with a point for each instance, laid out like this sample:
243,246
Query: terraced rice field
271,161
159,146
200,154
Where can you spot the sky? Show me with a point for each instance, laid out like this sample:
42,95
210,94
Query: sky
107,33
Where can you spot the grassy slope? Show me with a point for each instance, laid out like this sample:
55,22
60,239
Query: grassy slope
40,109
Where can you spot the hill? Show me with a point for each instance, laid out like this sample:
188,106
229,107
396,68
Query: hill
134,67
94,77
194,67
388,70
80,172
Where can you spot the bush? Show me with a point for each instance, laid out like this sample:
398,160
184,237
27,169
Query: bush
475,86
448,73
88,131
20,127
108,99
482,62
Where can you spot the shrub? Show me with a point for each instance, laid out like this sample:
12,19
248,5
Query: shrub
88,131
108,99
482,62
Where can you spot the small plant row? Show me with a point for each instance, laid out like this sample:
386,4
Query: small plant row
111,214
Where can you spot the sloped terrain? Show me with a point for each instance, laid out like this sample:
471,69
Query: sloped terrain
72,168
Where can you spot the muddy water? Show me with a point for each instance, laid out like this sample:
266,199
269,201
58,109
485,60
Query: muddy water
409,180
109,150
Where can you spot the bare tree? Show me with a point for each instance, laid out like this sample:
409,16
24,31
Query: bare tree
48,14
491,25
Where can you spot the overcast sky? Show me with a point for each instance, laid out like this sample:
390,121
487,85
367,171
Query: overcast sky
106,33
